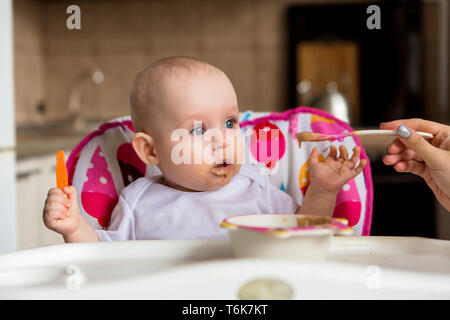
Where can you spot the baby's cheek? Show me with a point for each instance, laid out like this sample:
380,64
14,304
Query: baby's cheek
202,179
186,149
189,176
240,150
235,149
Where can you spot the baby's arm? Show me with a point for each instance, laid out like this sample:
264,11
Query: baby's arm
61,214
327,179
317,202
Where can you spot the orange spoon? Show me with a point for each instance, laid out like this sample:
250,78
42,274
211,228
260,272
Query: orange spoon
61,171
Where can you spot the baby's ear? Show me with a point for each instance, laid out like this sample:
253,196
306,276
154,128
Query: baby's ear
145,148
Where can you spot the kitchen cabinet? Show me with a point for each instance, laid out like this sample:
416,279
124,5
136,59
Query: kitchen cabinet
328,66
379,72
34,177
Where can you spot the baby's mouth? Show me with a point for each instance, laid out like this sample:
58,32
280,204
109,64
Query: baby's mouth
222,169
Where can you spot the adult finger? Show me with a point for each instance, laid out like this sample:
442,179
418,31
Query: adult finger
417,168
415,123
409,137
395,147
404,156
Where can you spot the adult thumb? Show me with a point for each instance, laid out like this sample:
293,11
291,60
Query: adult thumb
414,141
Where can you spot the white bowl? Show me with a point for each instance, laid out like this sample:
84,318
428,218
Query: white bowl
283,235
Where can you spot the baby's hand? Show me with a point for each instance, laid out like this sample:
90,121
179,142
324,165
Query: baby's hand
331,174
61,212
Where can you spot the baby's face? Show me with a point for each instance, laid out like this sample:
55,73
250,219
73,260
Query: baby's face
198,141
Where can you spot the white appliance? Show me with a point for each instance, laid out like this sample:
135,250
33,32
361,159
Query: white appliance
7,134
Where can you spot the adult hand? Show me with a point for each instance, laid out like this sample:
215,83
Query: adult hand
410,152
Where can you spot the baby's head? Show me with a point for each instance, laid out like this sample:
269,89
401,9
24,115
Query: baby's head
185,110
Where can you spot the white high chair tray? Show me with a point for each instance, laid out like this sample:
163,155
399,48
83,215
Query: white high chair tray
357,268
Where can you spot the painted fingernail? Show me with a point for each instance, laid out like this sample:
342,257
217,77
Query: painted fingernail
403,131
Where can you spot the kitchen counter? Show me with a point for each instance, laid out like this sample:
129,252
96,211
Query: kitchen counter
34,146
46,139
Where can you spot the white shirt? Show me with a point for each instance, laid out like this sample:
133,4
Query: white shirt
149,210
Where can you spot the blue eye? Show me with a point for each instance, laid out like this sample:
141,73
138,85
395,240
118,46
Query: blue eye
229,124
198,131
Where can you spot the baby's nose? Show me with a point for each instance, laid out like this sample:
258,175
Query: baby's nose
220,143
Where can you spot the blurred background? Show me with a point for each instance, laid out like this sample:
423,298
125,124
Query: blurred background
278,54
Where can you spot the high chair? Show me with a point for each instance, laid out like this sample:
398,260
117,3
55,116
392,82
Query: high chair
104,162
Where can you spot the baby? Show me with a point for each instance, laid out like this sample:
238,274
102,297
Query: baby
188,98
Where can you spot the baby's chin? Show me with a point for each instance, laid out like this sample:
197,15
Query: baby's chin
216,178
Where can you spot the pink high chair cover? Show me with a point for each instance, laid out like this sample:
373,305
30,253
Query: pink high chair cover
104,162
